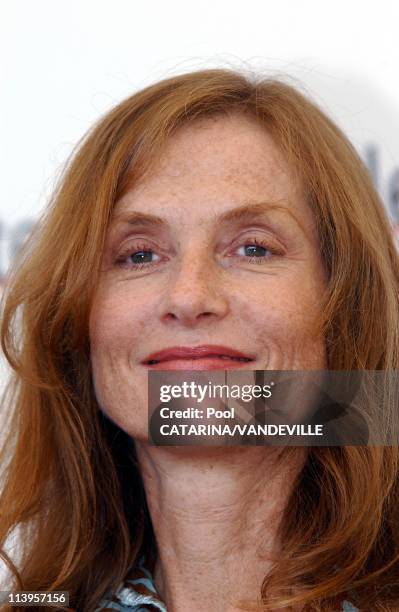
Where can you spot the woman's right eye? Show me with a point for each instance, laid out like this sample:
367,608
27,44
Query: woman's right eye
142,257
137,258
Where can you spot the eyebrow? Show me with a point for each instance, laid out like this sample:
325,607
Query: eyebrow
245,212
137,218
250,210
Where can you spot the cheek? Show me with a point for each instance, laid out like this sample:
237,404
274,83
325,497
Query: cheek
285,313
116,328
117,320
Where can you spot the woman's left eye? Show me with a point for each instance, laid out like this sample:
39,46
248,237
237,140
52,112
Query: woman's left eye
253,250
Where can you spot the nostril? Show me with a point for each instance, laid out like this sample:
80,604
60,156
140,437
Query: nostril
171,316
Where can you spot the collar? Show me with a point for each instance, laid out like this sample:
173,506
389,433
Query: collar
137,593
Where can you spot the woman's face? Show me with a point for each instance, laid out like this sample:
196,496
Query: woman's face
216,248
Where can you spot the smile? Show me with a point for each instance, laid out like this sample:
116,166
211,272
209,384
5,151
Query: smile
205,356
226,357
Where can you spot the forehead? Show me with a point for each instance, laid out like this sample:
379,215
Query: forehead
212,165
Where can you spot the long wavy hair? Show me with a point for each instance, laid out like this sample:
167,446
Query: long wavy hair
71,492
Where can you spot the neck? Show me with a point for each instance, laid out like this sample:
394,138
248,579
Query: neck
216,514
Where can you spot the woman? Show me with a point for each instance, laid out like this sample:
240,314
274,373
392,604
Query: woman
209,221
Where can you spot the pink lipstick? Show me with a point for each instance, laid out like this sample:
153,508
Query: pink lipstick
204,357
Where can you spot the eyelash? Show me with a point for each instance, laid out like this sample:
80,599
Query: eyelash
121,259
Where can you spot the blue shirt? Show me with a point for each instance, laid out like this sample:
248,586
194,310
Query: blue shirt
137,593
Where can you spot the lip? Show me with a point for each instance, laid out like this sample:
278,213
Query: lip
209,357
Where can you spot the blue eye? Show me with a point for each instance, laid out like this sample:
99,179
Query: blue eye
255,250
141,257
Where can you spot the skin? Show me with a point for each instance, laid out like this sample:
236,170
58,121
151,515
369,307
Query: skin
215,511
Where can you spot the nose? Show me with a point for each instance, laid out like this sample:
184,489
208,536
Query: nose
196,293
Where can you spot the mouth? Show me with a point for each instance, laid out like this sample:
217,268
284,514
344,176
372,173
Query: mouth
197,358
